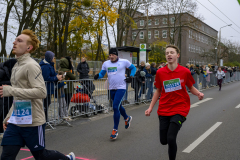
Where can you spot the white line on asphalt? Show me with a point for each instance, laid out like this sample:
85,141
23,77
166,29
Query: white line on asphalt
201,138
202,101
238,106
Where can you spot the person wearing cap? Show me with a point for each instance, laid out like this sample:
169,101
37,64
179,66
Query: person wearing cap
115,68
50,77
25,123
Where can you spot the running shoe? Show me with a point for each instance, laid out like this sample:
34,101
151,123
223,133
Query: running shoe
71,156
114,134
128,122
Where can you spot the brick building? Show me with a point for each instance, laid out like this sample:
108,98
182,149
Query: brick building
196,36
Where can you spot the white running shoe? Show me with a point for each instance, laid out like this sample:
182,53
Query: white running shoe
71,156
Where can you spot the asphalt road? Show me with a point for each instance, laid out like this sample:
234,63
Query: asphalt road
211,132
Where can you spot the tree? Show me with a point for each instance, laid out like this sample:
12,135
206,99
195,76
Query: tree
157,53
224,50
126,10
3,38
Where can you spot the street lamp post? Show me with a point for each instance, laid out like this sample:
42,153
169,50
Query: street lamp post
219,41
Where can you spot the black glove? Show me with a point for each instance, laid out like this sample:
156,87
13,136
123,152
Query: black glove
128,79
96,76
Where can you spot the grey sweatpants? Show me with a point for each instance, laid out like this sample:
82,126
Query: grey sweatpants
62,107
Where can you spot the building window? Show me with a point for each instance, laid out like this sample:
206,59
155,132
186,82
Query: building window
156,34
172,20
141,35
134,34
196,49
192,48
190,34
196,36
164,34
149,34
123,43
164,20
193,35
141,22
156,21
149,22
172,33
202,39
189,48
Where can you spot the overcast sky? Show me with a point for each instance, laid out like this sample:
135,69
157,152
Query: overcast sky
230,8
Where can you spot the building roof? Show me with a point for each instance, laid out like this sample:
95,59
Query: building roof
131,49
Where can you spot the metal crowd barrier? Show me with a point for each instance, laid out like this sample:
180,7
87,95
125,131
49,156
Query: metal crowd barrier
89,97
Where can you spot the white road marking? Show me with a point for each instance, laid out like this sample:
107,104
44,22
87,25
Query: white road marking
202,101
238,106
201,138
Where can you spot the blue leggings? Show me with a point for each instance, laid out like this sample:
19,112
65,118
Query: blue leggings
117,97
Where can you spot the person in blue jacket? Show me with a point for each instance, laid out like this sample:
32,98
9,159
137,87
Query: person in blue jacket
115,68
50,77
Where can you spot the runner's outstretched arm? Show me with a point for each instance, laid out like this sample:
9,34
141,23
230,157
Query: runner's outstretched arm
133,70
195,92
154,100
100,75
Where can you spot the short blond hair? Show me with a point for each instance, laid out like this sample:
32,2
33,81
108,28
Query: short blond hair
173,46
34,40
143,63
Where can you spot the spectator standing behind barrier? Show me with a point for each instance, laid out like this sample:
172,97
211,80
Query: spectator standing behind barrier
66,66
216,67
153,73
5,76
142,91
209,72
192,70
220,75
149,82
83,69
50,77
139,78
196,69
127,74
188,66
60,95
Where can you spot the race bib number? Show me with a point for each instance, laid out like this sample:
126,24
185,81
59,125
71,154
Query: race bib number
22,112
112,70
172,85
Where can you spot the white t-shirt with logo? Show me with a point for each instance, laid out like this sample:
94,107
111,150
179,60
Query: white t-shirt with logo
116,73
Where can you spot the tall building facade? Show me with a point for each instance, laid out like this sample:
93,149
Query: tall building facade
190,34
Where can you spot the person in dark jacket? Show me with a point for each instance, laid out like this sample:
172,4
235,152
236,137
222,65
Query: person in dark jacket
83,69
127,74
138,80
50,77
149,80
5,76
142,91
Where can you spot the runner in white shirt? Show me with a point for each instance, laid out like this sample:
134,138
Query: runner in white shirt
115,68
